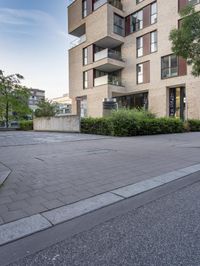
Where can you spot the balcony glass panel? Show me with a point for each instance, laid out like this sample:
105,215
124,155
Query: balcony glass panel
101,81
108,79
115,3
98,3
107,53
78,41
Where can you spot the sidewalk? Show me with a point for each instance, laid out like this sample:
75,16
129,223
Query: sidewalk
50,170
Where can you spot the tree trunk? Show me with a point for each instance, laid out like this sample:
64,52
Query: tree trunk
7,113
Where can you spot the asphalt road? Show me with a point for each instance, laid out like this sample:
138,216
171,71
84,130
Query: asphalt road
165,231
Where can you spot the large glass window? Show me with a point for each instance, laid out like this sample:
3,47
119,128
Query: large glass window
193,2
169,66
85,56
154,41
139,100
118,25
139,1
154,13
84,8
140,46
138,20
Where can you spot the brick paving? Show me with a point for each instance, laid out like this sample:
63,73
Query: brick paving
50,170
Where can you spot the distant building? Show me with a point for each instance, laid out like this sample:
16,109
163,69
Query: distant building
36,96
64,104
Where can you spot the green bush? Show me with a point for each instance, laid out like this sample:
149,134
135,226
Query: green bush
98,126
131,123
194,125
26,125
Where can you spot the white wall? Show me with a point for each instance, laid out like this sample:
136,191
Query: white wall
70,123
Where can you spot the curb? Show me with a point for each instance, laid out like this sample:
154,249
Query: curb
23,227
4,173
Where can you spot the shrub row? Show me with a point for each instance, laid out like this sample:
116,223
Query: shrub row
131,123
130,127
26,125
193,125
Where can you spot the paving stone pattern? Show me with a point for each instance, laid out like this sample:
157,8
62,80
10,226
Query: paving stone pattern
50,170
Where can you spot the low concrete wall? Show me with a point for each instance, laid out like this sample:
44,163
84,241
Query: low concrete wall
69,123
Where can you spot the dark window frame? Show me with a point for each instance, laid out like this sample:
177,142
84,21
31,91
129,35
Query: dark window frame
170,67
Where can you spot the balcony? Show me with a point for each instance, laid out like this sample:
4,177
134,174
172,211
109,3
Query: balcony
78,41
107,53
107,79
115,3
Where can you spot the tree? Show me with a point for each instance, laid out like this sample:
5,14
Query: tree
186,39
13,97
46,108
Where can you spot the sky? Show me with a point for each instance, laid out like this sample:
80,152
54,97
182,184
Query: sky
34,43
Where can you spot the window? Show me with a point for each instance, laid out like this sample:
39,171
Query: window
85,56
84,8
193,2
143,72
137,19
141,19
153,13
154,41
139,1
85,80
169,66
118,25
134,22
140,71
138,100
140,46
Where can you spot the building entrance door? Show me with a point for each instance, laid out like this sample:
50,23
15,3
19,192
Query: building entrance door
82,106
177,102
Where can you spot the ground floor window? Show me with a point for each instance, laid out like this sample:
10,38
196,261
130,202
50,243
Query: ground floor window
177,102
139,100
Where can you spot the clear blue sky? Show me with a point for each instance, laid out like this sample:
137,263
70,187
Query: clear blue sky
34,43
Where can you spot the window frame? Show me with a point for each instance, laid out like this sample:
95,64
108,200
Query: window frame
153,42
169,66
122,28
85,80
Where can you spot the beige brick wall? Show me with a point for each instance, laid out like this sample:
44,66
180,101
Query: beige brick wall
99,24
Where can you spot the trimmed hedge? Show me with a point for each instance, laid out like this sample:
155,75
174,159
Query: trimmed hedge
98,126
131,123
194,125
26,125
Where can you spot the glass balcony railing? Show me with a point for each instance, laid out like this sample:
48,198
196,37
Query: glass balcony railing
107,79
115,3
78,41
107,53
98,3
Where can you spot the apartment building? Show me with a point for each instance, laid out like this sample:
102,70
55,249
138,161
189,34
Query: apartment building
64,104
123,52
36,96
